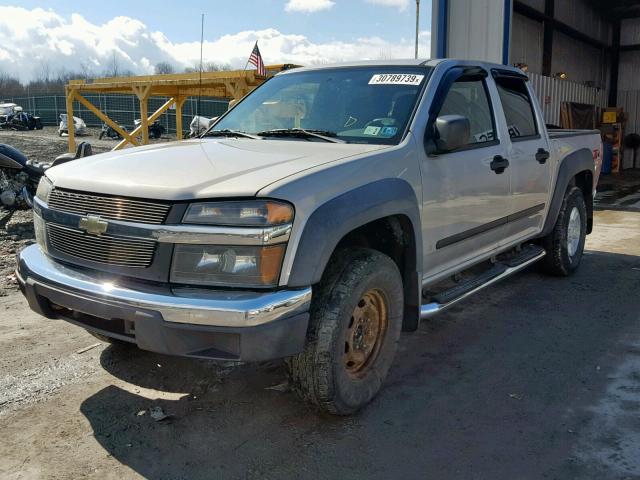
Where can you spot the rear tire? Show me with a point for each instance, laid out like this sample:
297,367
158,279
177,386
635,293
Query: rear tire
565,244
355,323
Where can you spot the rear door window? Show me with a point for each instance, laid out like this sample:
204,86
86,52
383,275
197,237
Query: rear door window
517,107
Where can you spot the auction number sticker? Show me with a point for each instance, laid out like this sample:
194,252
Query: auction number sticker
396,79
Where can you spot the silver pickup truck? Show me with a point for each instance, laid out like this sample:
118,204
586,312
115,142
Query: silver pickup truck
327,211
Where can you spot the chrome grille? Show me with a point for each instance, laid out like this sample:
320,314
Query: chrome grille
120,251
114,208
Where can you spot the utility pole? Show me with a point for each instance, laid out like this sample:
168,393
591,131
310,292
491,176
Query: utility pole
417,24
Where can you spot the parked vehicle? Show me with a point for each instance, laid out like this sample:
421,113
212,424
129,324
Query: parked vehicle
109,132
156,129
79,127
330,209
19,177
6,110
199,125
18,120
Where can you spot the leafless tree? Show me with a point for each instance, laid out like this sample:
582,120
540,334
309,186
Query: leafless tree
10,85
162,68
113,68
209,67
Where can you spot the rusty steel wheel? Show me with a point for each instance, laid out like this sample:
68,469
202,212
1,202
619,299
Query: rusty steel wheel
354,326
366,331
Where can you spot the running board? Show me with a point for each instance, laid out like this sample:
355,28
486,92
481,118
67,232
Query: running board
498,272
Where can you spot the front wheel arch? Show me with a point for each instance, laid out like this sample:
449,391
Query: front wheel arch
390,202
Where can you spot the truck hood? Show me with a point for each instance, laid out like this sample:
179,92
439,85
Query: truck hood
198,168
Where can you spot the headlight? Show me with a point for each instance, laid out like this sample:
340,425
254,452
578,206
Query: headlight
44,189
40,231
250,213
224,265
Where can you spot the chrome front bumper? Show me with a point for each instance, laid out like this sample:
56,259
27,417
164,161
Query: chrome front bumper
201,323
184,305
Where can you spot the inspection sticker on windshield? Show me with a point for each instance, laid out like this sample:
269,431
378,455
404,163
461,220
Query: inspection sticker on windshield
396,79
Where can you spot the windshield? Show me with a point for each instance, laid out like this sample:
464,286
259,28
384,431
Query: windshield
356,105
6,110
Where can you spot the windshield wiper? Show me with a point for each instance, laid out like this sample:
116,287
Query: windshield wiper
325,135
229,133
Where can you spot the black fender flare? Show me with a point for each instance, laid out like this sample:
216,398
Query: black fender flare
333,220
579,161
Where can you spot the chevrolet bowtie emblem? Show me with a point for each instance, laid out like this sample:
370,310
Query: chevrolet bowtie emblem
93,225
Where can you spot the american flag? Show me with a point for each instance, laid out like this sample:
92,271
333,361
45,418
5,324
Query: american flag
256,59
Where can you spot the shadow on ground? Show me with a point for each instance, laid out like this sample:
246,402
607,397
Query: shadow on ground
501,387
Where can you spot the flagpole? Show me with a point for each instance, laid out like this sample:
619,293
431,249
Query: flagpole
200,81
254,47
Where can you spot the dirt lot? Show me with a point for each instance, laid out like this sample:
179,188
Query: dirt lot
537,378
41,145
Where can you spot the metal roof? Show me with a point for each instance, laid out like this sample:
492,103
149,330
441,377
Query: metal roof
617,9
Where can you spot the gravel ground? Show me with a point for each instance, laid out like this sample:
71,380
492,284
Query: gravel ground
536,377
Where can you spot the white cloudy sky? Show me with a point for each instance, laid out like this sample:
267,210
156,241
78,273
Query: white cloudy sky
74,36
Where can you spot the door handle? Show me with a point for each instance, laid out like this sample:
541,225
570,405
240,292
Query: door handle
542,156
499,164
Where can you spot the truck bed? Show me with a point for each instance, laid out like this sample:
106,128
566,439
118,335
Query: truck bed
567,141
562,132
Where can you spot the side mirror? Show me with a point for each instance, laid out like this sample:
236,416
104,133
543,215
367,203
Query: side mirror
451,132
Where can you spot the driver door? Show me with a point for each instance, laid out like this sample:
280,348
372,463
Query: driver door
466,198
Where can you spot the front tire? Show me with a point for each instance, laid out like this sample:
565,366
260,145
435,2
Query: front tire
565,244
355,323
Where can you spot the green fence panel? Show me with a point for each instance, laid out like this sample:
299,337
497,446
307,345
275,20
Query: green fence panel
122,109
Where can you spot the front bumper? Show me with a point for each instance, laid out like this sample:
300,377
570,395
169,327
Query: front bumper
201,323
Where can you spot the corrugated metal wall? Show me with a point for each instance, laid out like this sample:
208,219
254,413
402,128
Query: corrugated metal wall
526,42
475,29
580,61
630,101
628,92
581,15
552,91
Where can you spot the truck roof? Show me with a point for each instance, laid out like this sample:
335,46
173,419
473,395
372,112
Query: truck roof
411,62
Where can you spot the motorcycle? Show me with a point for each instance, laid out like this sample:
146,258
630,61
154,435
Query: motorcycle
20,121
109,132
156,129
79,127
19,176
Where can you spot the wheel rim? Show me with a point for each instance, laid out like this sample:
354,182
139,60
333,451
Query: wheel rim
574,230
365,334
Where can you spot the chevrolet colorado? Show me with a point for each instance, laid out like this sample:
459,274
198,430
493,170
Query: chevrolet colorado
325,212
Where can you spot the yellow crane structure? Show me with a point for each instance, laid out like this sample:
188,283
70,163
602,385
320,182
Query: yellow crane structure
230,85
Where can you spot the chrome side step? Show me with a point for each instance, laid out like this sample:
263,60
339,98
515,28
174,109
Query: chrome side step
428,310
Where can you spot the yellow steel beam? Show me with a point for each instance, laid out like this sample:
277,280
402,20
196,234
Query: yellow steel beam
142,92
70,125
172,77
104,118
152,119
179,102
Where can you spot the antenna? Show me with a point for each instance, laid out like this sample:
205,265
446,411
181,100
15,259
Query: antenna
200,82
417,25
